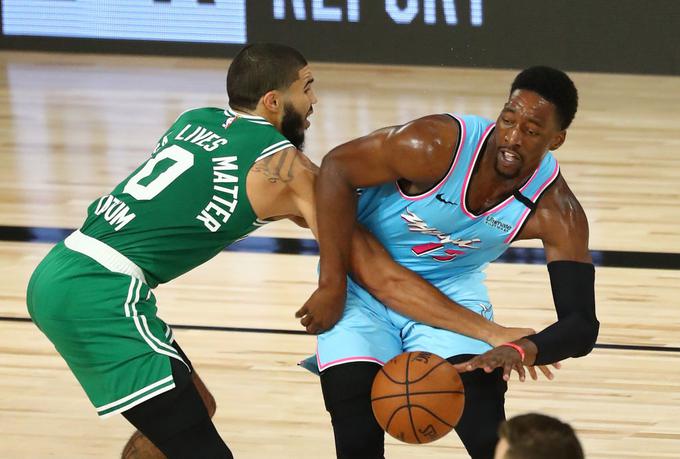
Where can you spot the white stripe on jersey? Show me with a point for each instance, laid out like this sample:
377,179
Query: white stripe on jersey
271,152
126,306
134,303
276,145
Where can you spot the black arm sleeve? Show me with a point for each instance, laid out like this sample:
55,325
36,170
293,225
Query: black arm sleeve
575,332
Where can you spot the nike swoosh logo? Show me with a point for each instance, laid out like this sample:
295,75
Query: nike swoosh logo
440,197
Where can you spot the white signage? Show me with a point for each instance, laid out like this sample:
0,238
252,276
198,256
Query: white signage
401,12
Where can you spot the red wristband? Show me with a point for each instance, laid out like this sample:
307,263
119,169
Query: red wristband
517,348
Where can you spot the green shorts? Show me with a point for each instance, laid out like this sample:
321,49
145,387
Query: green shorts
104,325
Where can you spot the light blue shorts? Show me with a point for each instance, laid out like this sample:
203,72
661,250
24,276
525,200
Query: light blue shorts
370,332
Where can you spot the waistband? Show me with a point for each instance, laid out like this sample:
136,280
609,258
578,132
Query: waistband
103,254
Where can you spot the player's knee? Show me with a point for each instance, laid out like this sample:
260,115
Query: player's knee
357,433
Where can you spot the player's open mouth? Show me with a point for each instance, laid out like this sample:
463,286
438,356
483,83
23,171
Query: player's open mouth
509,156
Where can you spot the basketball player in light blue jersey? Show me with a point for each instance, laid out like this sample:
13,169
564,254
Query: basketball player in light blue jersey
446,195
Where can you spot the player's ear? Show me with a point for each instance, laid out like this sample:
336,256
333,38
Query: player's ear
273,101
558,140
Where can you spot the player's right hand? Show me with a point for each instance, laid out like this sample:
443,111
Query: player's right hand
509,334
322,310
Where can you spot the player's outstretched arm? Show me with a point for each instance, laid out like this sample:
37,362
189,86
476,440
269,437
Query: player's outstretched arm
561,224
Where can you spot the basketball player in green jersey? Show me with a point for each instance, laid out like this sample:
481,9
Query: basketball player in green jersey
214,177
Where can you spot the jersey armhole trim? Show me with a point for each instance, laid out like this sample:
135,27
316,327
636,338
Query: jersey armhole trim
523,199
273,149
454,161
534,199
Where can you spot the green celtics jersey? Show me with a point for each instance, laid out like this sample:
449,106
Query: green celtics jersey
188,201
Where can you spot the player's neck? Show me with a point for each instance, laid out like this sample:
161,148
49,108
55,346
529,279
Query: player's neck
245,112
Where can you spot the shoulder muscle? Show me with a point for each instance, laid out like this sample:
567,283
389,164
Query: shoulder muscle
418,151
561,224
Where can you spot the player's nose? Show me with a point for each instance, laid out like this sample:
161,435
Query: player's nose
513,136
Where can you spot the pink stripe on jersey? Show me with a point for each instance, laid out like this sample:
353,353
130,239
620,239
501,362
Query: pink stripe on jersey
533,176
346,360
518,225
448,174
545,185
466,182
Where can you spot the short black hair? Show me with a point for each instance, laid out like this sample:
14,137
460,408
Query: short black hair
259,68
553,85
537,436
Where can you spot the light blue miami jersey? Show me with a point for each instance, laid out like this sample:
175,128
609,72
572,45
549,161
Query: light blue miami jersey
435,235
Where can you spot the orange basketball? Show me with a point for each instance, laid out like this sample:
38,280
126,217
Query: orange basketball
417,397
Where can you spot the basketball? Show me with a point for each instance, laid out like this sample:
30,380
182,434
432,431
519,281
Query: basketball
417,397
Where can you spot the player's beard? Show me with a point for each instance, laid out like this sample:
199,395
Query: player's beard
293,126
507,174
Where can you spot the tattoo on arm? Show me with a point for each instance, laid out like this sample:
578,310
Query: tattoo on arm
306,163
281,167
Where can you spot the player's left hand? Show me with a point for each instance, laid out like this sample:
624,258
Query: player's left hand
508,359
322,310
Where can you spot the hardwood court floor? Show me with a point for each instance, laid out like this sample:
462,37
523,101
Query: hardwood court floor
73,126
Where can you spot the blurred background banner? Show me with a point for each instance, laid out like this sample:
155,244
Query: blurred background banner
221,21
628,36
